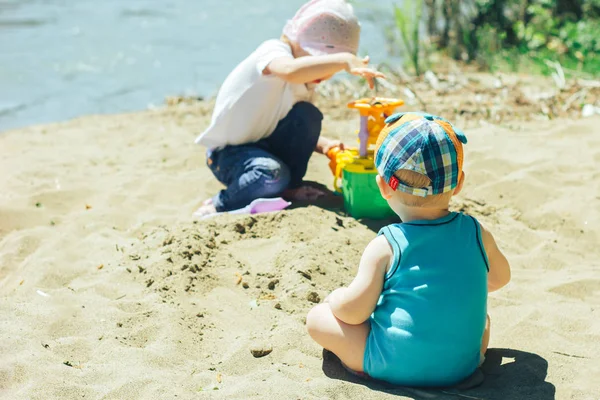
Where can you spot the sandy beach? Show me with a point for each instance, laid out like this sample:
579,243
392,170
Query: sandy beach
109,289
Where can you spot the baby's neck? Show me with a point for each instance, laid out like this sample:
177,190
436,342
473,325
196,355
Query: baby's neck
408,214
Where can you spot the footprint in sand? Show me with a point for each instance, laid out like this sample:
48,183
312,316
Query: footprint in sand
581,290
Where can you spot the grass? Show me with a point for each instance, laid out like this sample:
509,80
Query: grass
534,62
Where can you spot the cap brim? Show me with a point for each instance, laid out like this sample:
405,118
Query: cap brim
323,50
313,51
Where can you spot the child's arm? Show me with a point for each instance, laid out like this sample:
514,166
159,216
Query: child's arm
325,144
499,274
312,68
354,304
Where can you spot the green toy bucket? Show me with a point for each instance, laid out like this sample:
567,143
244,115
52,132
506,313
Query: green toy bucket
361,194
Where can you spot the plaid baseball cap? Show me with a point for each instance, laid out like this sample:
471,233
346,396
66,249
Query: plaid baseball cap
423,143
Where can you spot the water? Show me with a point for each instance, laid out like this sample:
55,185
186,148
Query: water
64,58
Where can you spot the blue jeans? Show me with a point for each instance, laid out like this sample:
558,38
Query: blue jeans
270,166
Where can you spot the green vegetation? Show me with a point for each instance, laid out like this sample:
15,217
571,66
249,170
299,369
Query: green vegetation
526,35
517,34
407,20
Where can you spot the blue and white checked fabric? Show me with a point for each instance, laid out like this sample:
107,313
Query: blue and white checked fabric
421,143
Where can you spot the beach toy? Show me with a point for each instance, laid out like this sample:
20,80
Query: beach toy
373,113
355,167
258,206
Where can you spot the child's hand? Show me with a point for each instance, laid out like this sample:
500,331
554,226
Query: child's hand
324,145
358,66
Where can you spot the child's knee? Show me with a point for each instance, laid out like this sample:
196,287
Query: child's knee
273,176
311,319
314,319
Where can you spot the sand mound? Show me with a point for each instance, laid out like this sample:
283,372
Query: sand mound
272,258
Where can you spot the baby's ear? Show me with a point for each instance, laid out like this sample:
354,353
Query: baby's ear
386,191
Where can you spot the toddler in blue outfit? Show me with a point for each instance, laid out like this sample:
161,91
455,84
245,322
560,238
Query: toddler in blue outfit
416,314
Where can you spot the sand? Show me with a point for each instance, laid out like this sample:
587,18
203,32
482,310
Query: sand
109,290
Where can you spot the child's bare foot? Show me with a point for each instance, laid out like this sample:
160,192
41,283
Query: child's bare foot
207,208
304,193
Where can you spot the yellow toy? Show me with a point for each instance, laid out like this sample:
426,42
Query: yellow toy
373,113
356,168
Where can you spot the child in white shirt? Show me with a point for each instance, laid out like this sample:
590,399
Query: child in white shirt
264,127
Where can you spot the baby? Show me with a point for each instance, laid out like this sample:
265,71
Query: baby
415,314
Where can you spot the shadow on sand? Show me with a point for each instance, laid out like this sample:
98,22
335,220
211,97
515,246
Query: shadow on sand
505,374
334,202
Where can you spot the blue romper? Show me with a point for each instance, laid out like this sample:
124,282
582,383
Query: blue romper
428,324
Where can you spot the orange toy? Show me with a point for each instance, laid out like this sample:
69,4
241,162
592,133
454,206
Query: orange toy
373,113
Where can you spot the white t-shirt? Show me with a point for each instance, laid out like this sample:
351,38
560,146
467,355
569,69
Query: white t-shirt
249,104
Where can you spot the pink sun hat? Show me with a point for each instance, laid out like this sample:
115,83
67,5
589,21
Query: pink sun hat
325,27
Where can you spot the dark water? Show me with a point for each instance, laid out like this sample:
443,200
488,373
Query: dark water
64,58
